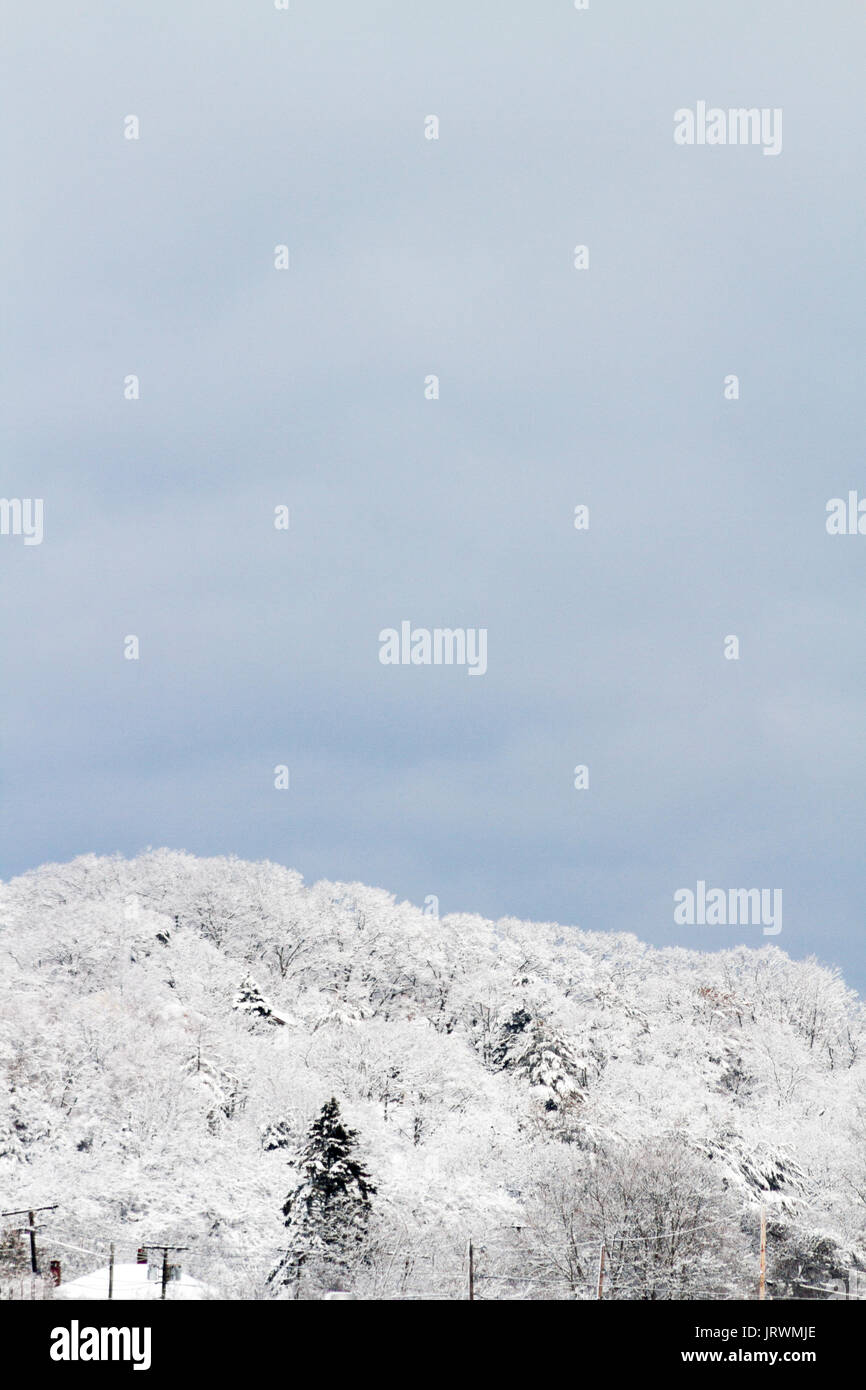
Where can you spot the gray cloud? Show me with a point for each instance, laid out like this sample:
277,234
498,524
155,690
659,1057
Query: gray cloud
454,257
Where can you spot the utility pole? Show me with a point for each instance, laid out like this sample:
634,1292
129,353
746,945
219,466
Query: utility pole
471,1271
111,1271
601,1271
762,1278
34,1266
165,1249
30,1228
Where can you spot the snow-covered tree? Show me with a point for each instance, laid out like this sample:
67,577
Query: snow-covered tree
327,1212
250,1000
13,1255
668,1230
276,1135
529,1048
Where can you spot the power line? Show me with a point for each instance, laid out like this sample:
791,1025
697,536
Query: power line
98,1253
622,1239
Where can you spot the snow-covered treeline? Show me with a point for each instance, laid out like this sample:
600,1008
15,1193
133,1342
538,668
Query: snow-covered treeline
172,1028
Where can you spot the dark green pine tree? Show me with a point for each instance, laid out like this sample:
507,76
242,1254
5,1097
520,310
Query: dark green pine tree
327,1212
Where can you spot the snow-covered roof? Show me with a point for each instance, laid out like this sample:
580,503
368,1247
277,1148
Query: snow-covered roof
131,1281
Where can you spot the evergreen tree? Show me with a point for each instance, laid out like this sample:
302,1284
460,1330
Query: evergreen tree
250,1000
511,1034
276,1135
529,1048
327,1212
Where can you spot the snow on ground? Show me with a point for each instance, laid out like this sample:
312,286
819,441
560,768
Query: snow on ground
131,1282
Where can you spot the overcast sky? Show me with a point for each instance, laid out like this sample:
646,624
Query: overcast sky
305,387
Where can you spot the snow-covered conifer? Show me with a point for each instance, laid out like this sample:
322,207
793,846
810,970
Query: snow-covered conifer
327,1212
529,1048
250,1000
